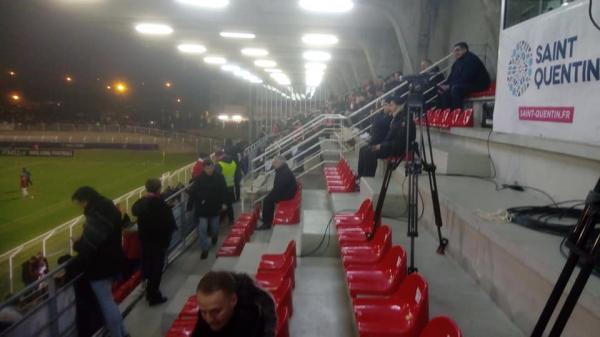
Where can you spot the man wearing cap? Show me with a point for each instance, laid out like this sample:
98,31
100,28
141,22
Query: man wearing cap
284,188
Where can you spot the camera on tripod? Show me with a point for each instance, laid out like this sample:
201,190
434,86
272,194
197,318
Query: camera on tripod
417,86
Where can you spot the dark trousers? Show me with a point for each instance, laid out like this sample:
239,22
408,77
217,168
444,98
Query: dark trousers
367,162
453,98
153,261
230,200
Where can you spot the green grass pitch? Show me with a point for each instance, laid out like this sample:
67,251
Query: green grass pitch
112,172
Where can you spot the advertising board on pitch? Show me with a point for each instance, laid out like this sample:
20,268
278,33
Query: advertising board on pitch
549,77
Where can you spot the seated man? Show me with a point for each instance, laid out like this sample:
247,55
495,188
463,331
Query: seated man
367,160
231,305
468,75
394,143
284,188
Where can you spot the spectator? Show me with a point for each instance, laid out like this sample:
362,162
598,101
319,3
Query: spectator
197,169
229,169
367,159
231,305
25,182
394,143
99,252
156,224
468,75
284,188
207,197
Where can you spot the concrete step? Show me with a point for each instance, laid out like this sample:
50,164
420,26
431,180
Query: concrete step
186,289
225,263
316,238
250,258
457,160
345,202
315,199
395,204
282,235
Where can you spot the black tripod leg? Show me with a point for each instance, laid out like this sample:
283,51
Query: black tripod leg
382,194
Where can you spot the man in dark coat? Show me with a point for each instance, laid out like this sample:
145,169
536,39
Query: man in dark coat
156,224
367,160
468,75
100,254
394,143
231,305
208,196
284,188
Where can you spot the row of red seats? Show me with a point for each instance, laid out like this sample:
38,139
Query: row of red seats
386,301
240,233
489,92
447,118
288,212
340,178
120,290
276,274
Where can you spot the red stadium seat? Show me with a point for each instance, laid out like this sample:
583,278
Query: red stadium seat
404,314
285,270
278,261
353,219
190,308
288,212
370,252
230,250
234,240
455,117
282,329
441,326
182,328
381,278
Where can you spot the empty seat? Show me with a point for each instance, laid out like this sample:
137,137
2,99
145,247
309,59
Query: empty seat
369,252
441,326
404,314
182,328
352,219
286,270
381,278
277,261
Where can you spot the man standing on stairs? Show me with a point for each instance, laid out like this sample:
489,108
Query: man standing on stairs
156,224
367,159
208,198
284,188
228,168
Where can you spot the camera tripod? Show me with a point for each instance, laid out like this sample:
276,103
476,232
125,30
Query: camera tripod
416,161
584,246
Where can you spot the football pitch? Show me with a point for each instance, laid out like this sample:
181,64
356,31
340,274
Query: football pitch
112,172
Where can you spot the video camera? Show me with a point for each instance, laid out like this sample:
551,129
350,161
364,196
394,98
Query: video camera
417,85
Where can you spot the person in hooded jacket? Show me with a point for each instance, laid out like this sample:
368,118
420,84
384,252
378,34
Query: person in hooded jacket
156,224
100,254
208,196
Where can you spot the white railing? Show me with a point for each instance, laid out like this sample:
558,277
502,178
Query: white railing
59,240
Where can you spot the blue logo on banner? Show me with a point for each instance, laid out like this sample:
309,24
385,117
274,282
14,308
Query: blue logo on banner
520,69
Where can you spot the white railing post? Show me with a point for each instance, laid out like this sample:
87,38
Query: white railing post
10,268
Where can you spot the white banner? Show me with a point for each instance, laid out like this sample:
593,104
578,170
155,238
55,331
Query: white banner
549,76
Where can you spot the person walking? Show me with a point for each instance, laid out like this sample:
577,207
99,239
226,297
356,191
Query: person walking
228,168
99,252
25,182
207,198
156,224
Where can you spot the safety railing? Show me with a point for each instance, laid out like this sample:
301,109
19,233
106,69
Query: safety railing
47,307
58,241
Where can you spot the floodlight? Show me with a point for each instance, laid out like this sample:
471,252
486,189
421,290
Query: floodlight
191,48
320,39
316,56
327,6
154,29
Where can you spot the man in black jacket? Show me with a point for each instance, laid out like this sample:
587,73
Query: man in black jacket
231,305
156,224
367,160
284,188
208,196
394,143
100,254
468,75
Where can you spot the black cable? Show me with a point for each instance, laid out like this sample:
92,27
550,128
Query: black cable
316,249
493,176
590,12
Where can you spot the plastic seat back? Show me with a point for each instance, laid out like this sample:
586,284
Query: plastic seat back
415,292
290,251
441,326
364,207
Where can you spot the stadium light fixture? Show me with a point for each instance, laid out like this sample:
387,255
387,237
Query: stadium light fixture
179,100
168,84
211,4
316,56
320,39
315,66
237,35
108,87
120,87
255,52
273,70
12,73
328,6
236,118
191,48
218,60
281,79
230,68
68,79
15,97
265,63
154,29
223,118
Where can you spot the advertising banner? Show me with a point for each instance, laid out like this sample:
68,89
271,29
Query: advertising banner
549,77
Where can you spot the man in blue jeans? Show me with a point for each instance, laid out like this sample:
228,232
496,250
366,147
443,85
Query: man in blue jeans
208,195
100,254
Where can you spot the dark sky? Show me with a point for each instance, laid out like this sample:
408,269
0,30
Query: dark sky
44,43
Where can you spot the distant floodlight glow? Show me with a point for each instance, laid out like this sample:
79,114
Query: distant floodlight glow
315,66
223,117
320,39
230,68
255,52
328,6
265,63
215,60
282,79
273,70
236,118
191,48
205,3
154,29
316,56
237,35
